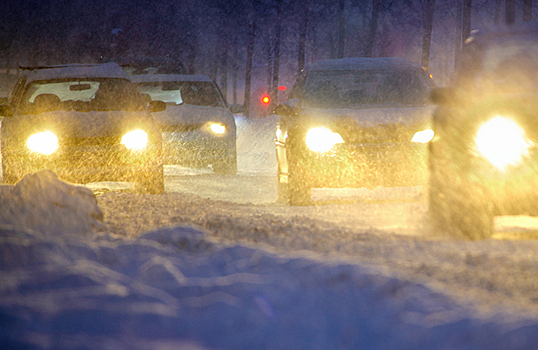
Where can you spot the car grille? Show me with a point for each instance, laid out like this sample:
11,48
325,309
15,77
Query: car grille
382,133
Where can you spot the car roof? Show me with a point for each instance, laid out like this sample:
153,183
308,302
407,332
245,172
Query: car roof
504,30
103,70
151,78
361,63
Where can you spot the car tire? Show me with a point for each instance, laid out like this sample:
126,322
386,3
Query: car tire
153,183
298,191
457,206
227,165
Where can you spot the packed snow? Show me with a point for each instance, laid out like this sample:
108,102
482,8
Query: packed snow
119,270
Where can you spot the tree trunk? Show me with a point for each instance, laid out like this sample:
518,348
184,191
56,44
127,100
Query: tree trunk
458,41
235,46
527,10
373,29
341,29
509,11
276,56
302,38
269,64
429,10
224,60
497,17
466,20
248,71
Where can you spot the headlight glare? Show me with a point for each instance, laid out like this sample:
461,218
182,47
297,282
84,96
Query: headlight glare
217,128
44,142
503,142
135,140
423,136
321,139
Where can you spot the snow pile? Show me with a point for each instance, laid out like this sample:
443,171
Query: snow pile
64,286
43,203
173,289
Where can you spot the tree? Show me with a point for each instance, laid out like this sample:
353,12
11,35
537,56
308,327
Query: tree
341,29
429,8
527,10
509,11
250,54
369,47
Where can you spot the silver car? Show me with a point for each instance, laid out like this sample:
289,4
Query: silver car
197,126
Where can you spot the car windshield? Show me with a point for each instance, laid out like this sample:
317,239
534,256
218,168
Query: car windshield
197,93
348,89
83,95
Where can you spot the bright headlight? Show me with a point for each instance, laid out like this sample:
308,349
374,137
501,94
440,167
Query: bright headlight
503,142
322,139
423,136
217,128
44,142
135,140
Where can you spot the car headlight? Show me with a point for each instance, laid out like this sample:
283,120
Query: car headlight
135,140
321,139
44,142
423,136
502,141
217,128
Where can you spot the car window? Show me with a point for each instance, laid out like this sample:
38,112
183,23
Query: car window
348,89
201,93
168,92
80,95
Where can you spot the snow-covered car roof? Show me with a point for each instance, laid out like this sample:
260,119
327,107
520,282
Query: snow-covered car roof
362,63
104,70
503,30
151,78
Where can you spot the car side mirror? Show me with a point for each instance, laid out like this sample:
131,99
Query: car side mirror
288,109
6,111
237,108
443,96
157,106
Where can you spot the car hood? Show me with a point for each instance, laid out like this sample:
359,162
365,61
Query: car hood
369,117
186,114
375,125
83,124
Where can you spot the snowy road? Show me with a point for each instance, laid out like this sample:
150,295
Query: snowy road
385,227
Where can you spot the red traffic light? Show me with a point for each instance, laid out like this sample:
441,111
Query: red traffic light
265,99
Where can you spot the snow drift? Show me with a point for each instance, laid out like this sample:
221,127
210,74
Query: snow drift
68,283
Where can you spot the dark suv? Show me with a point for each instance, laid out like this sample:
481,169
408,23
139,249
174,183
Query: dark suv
483,160
354,122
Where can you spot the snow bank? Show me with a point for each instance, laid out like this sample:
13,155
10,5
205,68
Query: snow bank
65,287
43,203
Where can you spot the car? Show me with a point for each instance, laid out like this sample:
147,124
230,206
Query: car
86,122
134,65
198,127
483,160
353,122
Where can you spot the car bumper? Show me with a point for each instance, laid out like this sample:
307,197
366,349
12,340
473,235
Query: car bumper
193,148
368,165
88,164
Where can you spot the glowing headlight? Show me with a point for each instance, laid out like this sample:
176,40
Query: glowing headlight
322,139
44,142
423,136
135,140
502,142
217,128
